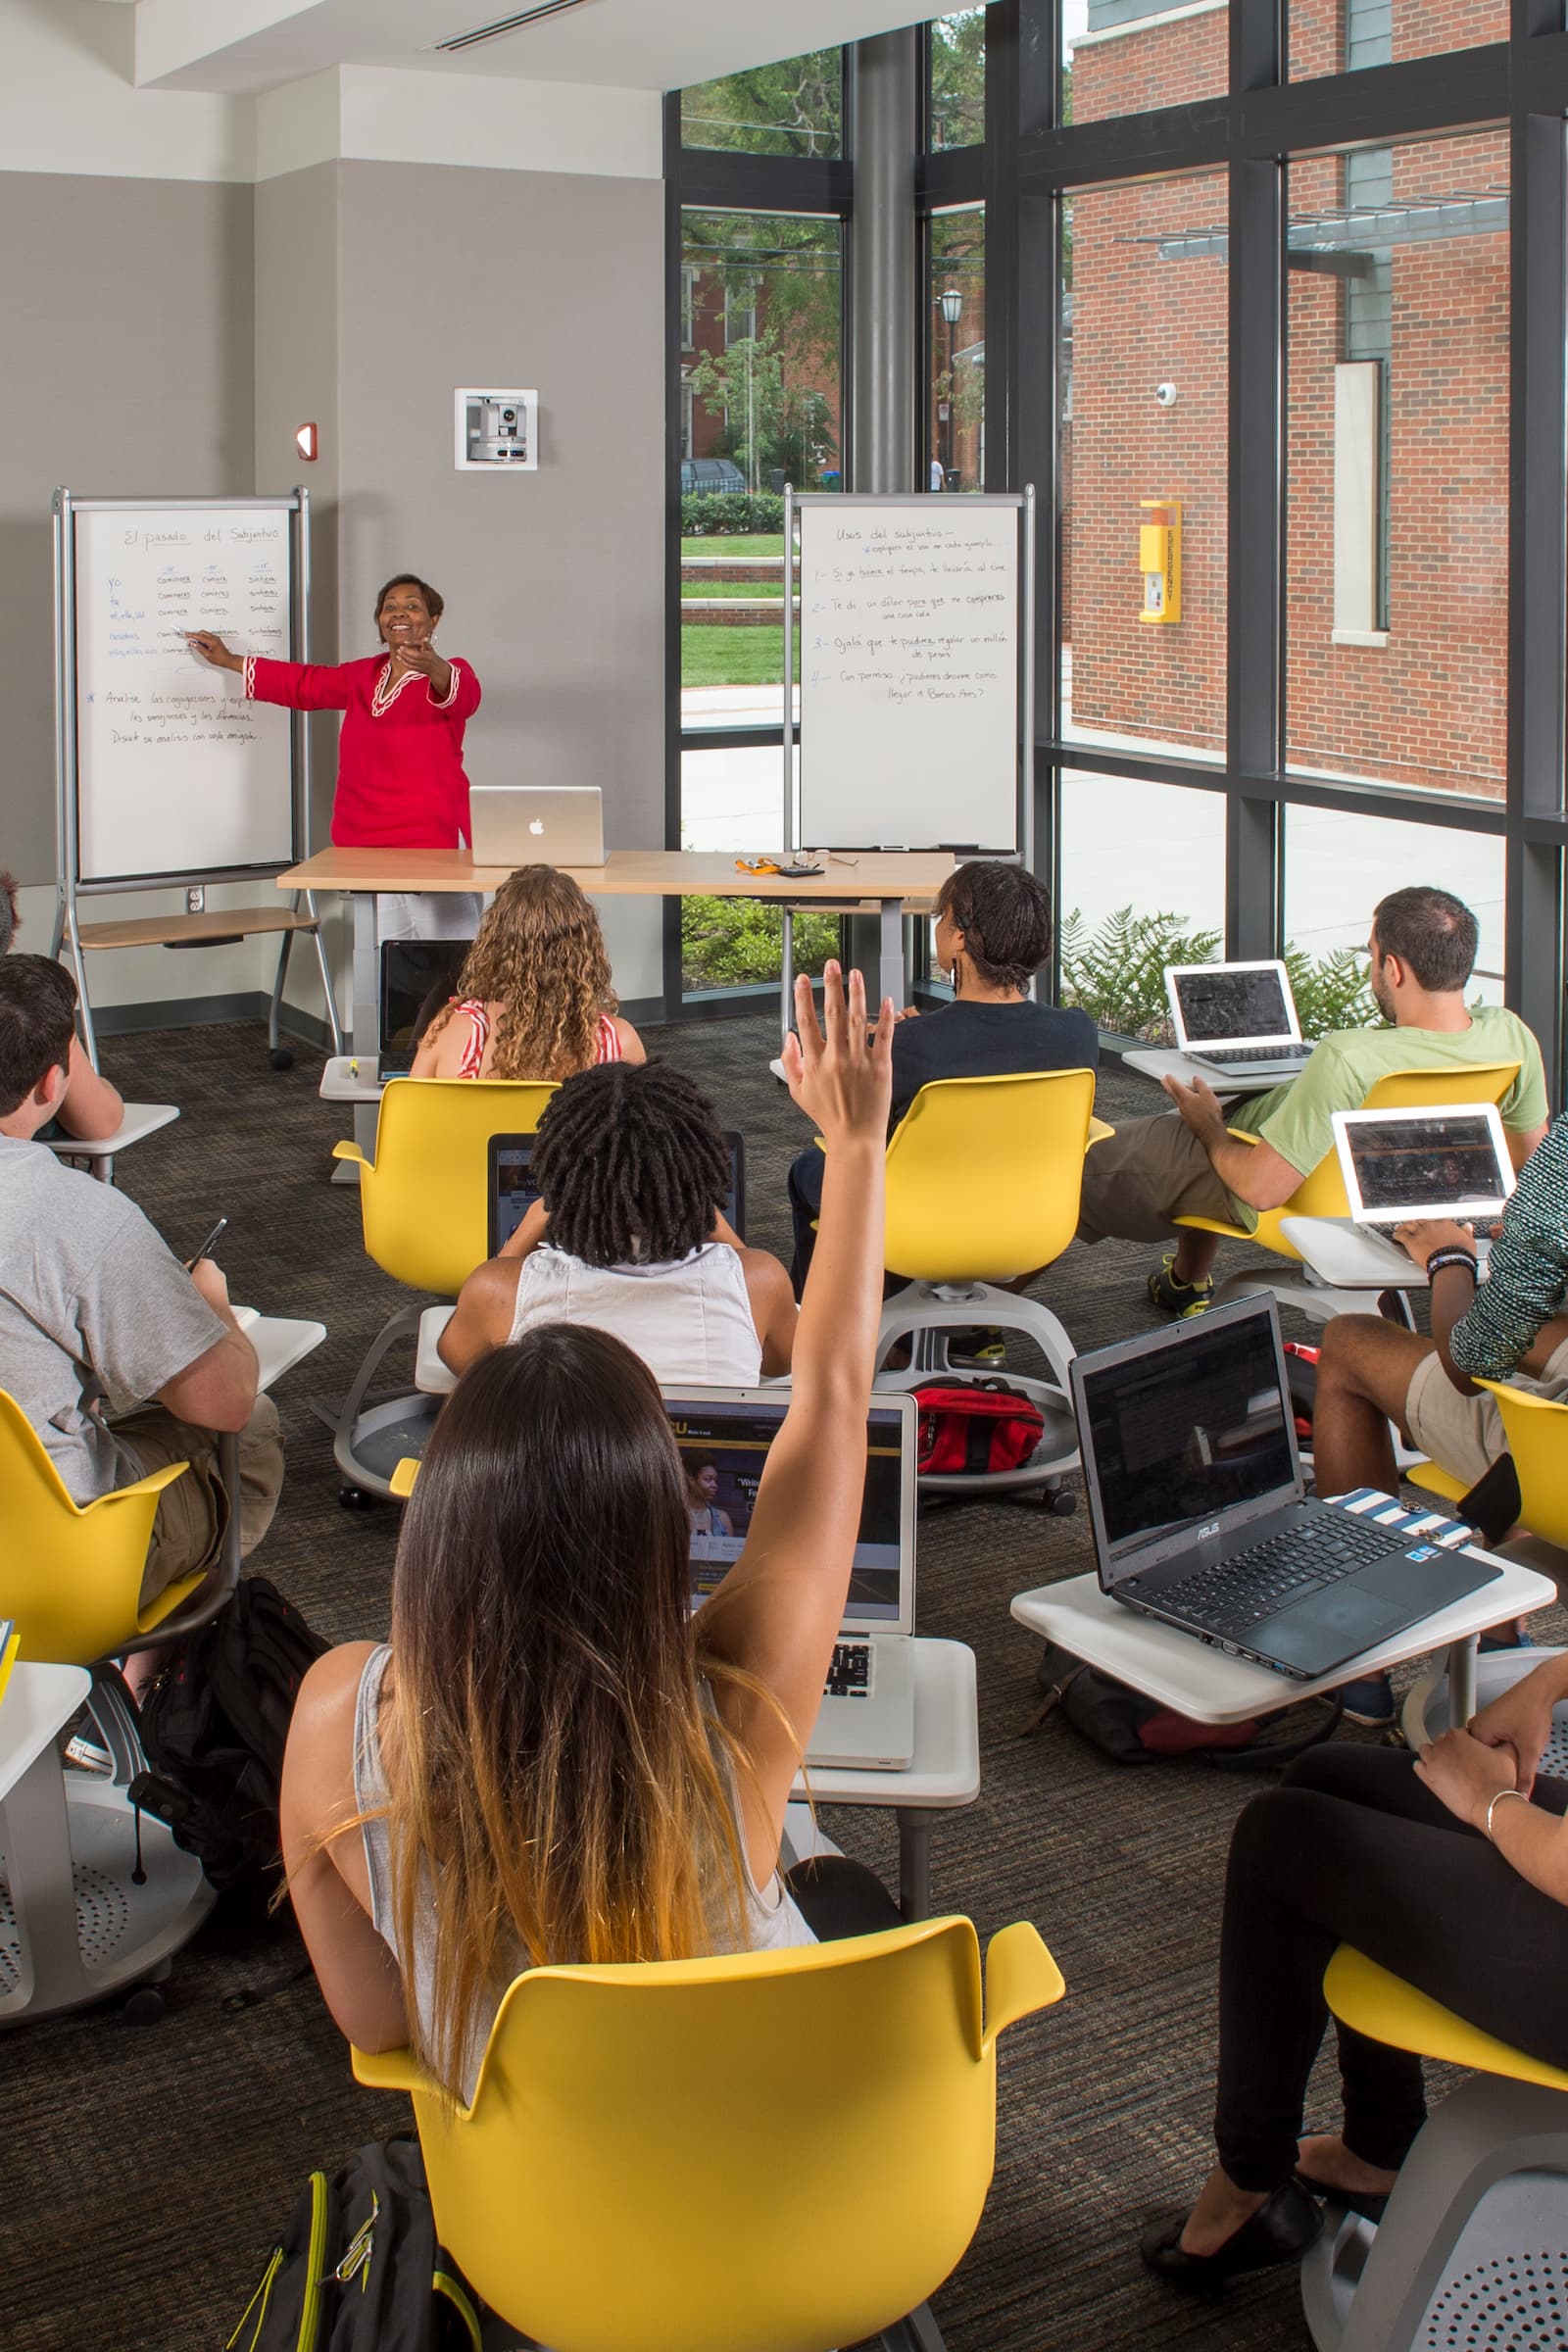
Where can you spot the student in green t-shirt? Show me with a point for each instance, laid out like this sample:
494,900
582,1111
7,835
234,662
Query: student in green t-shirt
1140,1180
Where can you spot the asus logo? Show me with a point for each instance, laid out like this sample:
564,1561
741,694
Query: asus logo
1212,1529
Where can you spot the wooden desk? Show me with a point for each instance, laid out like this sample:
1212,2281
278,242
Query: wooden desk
888,883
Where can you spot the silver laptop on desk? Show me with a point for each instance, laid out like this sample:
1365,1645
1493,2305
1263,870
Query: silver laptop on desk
1238,1020
867,1716
1446,1160
537,824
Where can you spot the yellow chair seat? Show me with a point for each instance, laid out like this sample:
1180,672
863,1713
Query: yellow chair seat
1383,2007
1537,1431
1432,1478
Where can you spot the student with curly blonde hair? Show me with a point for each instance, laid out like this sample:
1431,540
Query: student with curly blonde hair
534,997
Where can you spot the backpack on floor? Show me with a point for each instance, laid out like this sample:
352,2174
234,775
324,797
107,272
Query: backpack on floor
213,1727
974,1426
358,2269
1133,1730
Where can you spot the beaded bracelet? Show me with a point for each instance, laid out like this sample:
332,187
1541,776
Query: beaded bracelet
1453,1256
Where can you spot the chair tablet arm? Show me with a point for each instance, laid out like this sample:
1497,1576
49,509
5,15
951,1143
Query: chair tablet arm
347,1150
1022,1977
387,2070
402,1477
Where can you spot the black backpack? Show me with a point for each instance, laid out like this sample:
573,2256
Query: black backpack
358,2269
213,1727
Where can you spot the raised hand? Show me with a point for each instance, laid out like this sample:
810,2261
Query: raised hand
841,1076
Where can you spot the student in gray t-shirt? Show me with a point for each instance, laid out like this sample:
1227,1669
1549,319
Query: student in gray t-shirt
121,1360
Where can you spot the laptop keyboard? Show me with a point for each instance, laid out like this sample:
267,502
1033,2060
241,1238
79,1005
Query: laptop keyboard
850,1674
1224,1056
1251,1585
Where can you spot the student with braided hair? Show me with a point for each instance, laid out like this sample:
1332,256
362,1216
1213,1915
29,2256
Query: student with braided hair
628,1235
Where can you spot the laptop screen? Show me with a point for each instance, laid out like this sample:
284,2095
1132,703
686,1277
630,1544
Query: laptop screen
512,1191
1221,1005
1446,1160
724,1443
1181,1427
418,977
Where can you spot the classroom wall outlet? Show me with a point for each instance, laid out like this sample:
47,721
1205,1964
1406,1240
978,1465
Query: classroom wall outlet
196,900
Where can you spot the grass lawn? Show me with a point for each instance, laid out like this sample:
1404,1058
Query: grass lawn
759,591
741,543
720,657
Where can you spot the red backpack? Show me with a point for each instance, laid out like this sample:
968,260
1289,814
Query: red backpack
976,1426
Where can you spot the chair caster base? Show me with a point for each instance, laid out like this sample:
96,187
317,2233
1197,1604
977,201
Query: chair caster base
144,2007
358,1498
280,1059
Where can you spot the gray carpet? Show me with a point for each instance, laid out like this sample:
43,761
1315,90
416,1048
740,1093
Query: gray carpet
144,2173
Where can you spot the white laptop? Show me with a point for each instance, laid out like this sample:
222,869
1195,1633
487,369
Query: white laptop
867,1716
1237,1018
537,824
1435,1160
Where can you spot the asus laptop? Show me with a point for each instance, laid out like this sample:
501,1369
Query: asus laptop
536,824
1438,1161
1238,1020
418,977
867,1716
511,1190
1199,1510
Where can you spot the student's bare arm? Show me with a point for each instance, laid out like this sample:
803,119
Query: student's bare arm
482,1317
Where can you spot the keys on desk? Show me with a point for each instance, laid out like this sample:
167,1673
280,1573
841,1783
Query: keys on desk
849,1674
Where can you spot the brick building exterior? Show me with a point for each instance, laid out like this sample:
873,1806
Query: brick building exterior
1400,259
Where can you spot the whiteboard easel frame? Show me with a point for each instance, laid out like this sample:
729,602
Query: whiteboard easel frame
1023,501
68,840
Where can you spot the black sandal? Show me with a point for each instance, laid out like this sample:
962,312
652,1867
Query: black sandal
1280,2231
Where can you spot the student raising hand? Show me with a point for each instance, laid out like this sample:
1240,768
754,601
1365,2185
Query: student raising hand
842,1079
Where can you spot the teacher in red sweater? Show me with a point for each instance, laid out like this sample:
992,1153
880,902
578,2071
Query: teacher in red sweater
401,782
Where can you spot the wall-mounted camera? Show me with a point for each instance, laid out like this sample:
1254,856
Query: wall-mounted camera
496,430
1165,394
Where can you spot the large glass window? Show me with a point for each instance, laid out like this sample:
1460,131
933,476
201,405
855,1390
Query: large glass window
959,79
793,107
1340,36
1143,885
1122,56
958,410
1142,472
1397,653
760,381
1338,866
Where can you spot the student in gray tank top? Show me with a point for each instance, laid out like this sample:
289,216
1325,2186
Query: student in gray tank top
552,1761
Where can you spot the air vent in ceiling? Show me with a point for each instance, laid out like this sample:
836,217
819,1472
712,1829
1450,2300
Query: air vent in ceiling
493,32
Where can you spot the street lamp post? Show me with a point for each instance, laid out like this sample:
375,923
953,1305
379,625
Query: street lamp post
952,301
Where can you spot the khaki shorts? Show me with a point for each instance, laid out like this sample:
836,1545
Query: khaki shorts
1138,1181
1464,1435
193,1511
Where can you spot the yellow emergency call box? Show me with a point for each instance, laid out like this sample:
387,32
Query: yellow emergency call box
1160,558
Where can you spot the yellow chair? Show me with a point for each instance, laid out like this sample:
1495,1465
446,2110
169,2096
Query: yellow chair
781,2150
1470,2248
71,1578
983,1180
424,1206
1321,1191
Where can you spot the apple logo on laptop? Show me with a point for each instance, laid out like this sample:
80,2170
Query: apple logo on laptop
536,824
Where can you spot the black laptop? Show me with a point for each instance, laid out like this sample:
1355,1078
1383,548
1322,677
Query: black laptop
512,1191
418,977
1199,1510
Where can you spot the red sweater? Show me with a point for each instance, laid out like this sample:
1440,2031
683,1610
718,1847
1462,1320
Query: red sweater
401,783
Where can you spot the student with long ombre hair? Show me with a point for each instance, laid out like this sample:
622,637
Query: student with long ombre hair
534,997
551,1760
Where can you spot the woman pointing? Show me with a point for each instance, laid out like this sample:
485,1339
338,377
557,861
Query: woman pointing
401,782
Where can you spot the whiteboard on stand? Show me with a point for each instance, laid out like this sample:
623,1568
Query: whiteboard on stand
909,673
175,771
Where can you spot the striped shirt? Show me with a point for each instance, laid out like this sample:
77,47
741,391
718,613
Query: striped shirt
1527,1278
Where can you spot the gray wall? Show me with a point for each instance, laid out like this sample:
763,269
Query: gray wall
125,365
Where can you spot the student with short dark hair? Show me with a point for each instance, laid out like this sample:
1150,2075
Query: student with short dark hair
632,1170
91,1109
993,935
1138,1181
97,1316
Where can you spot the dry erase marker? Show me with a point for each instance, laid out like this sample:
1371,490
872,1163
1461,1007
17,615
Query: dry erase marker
208,1247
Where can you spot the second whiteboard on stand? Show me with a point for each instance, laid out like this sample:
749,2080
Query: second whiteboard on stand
910,673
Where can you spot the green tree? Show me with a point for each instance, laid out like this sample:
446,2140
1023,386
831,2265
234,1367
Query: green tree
794,107
769,423
959,79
